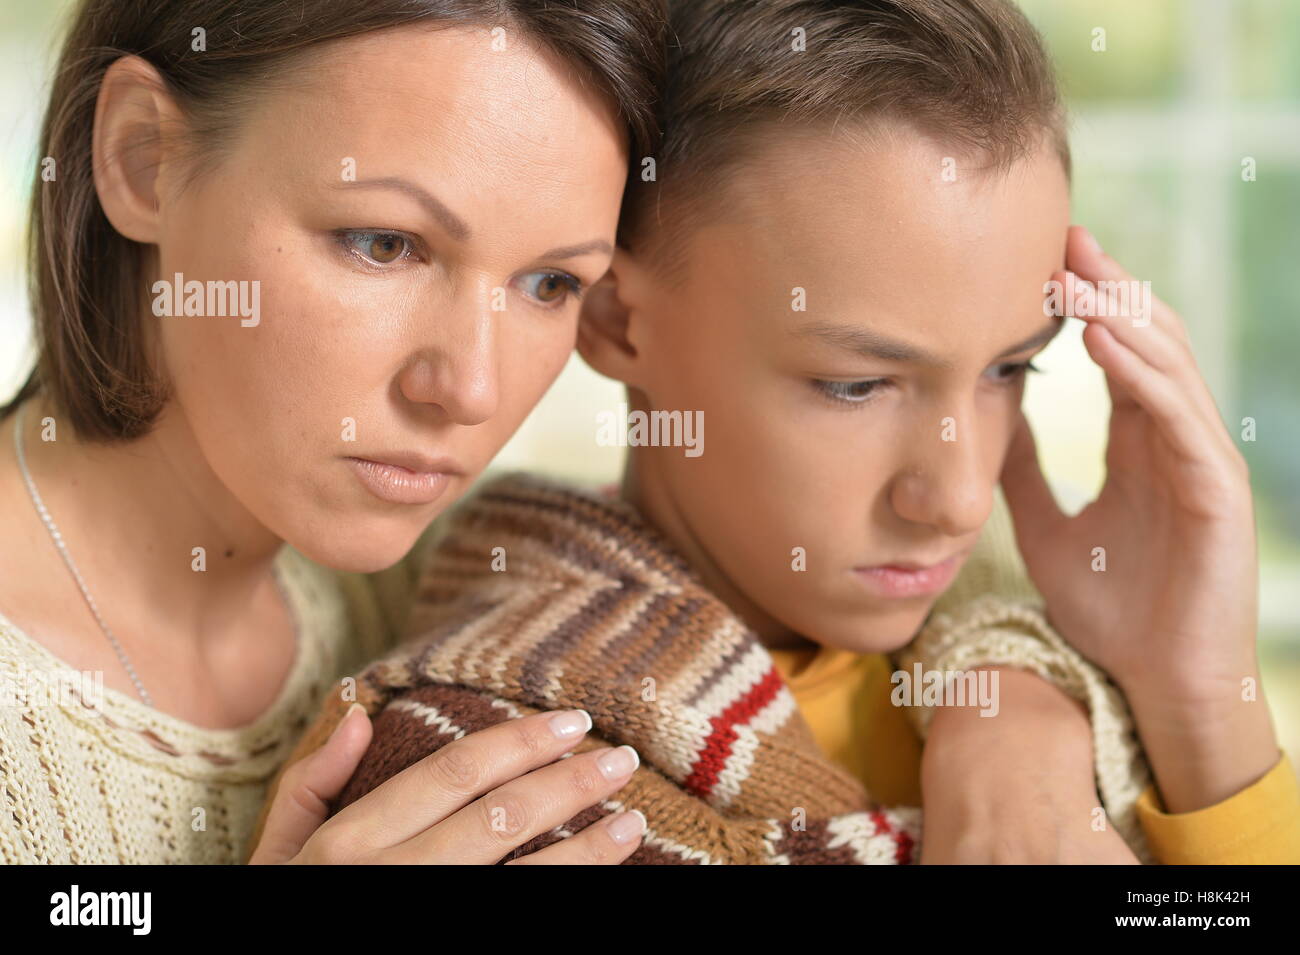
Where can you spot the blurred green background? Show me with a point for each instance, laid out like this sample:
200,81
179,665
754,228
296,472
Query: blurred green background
1162,120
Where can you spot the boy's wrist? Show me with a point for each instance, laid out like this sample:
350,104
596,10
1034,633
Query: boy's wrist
1038,727
1016,787
1203,750
1020,694
1187,684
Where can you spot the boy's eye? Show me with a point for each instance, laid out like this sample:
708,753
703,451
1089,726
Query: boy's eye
849,392
1011,372
379,248
551,289
861,392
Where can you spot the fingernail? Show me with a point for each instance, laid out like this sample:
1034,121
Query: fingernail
570,723
346,716
619,762
627,826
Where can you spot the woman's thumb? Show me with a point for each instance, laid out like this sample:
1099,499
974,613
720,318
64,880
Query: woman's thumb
301,801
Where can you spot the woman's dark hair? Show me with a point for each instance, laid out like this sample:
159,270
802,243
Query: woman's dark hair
86,279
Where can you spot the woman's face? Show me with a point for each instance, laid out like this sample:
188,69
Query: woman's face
421,212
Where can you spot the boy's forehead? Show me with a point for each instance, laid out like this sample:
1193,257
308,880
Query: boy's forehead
892,199
882,167
851,233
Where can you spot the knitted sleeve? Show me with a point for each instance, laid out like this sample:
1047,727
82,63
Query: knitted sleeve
682,829
15,848
993,616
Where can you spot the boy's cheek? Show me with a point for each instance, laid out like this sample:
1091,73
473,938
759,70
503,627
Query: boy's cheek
825,603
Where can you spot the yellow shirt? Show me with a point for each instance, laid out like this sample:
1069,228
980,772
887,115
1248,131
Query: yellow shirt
844,697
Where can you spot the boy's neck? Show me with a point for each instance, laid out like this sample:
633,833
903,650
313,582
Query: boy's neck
653,500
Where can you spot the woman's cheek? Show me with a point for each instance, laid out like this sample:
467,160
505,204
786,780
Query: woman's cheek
535,360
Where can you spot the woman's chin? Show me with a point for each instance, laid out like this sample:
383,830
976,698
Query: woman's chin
363,548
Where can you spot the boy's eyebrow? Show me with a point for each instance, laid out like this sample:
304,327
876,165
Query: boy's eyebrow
865,341
455,225
1041,337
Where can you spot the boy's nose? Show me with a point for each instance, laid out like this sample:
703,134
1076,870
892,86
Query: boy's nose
459,372
945,484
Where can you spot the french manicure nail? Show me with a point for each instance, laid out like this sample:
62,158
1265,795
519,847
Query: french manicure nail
619,762
339,725
570,723
627,826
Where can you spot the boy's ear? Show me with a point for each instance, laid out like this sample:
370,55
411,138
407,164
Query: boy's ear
131,113
606,332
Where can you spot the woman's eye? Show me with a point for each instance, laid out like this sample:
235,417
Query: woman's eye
849,392
381,248
551,288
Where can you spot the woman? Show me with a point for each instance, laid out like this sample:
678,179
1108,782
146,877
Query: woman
301,270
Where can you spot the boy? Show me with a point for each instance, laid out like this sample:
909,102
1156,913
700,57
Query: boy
841,264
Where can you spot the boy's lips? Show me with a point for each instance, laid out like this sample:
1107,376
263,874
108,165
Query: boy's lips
910,578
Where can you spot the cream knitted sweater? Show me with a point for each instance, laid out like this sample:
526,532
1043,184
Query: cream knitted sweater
124,783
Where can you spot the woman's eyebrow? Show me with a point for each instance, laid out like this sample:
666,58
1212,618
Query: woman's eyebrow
573,251
453,223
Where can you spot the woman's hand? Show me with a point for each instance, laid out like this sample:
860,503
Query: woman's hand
472,802
1016,788
1155,581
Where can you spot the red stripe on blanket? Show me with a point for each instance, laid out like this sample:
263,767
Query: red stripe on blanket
716,750
902,841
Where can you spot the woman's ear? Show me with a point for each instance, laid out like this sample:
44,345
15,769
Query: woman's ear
131,114
610,320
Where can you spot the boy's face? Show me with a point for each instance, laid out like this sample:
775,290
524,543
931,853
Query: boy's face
867,428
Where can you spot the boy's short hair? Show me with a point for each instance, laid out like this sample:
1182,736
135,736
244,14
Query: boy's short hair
972,73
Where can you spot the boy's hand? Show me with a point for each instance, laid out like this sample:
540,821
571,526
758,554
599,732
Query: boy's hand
1172,617
1016,788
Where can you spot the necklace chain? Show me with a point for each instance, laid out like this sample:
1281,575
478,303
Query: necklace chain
67,558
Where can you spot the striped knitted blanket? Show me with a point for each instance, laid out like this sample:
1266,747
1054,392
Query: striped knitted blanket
543,597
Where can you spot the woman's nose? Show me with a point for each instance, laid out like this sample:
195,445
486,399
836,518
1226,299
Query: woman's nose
458,372
946,481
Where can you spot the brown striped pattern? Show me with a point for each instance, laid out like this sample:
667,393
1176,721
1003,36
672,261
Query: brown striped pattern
594,610
593,603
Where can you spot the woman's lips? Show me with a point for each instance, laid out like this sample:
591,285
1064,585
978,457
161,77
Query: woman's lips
909,580
400,485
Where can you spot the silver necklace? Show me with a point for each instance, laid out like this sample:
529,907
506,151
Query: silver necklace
67,558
